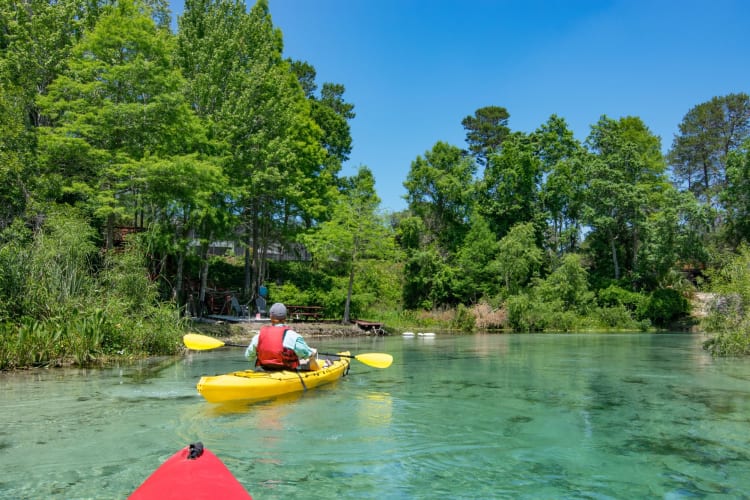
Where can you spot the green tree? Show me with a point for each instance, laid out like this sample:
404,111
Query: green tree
16,160
428,279
439,191
508,193
729,316
276,158
209,49
519,256
736,196
36,41
331,113
476,263
117,104
568,284
185,196
626,183
563,161
354,233
486,131
708,133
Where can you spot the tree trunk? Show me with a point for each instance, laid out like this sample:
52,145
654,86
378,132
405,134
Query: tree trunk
204,277
348,302
246,291
110,232
178,279
635,248
614,257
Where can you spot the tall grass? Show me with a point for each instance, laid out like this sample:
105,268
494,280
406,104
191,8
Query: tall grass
75,305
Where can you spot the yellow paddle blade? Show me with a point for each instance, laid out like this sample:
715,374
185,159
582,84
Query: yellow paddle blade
376,359
201,342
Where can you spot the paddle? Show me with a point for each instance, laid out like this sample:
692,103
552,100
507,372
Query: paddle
202,343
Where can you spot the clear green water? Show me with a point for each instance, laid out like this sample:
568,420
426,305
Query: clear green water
483,416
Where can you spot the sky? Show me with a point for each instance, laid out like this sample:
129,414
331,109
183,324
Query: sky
415,68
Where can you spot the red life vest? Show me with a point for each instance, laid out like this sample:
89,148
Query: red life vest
271,353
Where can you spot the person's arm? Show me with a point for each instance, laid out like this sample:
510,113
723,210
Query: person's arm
295,341
250,351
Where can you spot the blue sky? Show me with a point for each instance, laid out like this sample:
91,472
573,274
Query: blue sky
415,68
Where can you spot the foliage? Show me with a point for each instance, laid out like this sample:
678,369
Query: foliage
477,263
568,283
618,317
78,309
486,131
427,280
729,317
464,319
60,265
14,269
439,192
109,119
615,296
519,256
664,306
736,197
708,133
508,191
354,236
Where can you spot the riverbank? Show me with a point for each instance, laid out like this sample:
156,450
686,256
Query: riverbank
243,332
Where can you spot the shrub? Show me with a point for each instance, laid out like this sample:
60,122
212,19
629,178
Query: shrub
464,319
614,295
617,316
664,306
729,317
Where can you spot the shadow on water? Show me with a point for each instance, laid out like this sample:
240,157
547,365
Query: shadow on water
143,371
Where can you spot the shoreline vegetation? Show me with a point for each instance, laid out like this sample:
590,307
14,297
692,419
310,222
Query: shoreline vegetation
44,350
133,200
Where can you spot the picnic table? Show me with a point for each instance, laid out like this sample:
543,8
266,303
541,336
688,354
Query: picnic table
304,312
370,326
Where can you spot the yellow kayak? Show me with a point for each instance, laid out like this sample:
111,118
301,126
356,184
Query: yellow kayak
252,385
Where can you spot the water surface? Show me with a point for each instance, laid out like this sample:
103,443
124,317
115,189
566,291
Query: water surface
481,416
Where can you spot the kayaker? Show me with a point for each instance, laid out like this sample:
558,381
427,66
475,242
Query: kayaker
278,347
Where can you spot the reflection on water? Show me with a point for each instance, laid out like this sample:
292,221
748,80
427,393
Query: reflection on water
481,416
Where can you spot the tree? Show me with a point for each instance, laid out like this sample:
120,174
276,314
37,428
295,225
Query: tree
16,160
736,197
563,162
476,263
259,111
354,232
519,256
626,182
186,197
116,106
208,51
439,191
567,284
708,133
486,131
508,192
35,45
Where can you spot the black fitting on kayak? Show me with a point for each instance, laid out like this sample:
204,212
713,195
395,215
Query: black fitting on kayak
196,450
